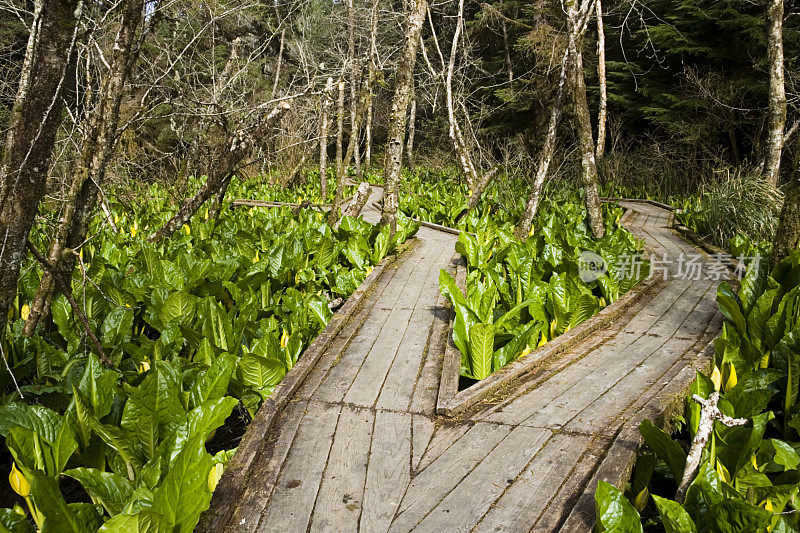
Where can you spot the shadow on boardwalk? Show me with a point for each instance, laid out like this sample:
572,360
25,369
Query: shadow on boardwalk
358,446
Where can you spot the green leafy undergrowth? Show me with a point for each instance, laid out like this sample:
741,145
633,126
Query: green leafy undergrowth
749,476
196,326
520,295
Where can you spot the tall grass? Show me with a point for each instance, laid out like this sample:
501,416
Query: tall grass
738,201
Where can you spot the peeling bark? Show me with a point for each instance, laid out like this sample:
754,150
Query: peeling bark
777,92
601,76
584,124
353,209
402,96
327,100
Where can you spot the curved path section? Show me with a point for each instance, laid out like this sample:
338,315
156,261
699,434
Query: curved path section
358,445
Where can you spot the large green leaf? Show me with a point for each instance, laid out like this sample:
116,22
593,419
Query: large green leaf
154,407
37,437
141,522
729,305
261,372
184,492
51,505
213,383
106,488
674,518
481,350
666,448
178,305
613,512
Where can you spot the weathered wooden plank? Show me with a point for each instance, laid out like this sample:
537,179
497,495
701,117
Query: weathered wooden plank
371,376
609,367
292,502
464,506
444,436
389,469
563,501
266,468
437,479
338,504
421,433
344,369
427,386
402,376
526,499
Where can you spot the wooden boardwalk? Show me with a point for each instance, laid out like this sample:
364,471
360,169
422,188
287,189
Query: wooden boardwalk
358,445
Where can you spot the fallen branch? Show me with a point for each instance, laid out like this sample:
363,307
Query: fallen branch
66,290
708,414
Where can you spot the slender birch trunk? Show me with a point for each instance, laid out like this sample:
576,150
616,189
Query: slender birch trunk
402,96
373,76
29,146
412,118
601,76
523,229
278,65
327,100
777,91
456,135
340,169
584,124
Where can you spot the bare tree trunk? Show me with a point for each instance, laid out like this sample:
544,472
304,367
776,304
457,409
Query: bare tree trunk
588,164
278,65
29,147
239,145
601,76
402,95
525,223
777,91
340,170
327,100
373,75
456,136
523,228
787,236
98,147
368,132
412,117
509,65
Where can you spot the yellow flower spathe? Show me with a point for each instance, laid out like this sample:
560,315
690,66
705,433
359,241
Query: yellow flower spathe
18,482
716,378
284,339
214,475
25,312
